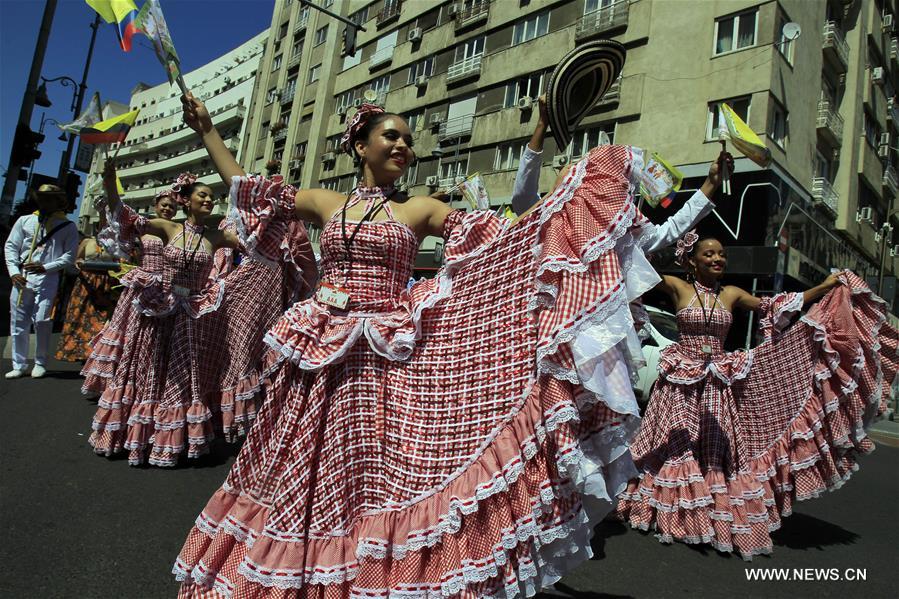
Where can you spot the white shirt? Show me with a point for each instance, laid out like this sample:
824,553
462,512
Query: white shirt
653,237
55,253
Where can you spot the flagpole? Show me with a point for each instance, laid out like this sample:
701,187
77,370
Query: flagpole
722,167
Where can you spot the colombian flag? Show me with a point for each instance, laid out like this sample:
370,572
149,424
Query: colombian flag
113,130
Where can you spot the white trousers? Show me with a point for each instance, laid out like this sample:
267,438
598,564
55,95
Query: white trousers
33,310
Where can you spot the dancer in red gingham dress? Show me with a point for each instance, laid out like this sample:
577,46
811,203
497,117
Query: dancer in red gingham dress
459,436
119,349
730,440
174,404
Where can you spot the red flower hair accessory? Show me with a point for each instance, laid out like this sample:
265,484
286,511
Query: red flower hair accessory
183,180
685,247
357,122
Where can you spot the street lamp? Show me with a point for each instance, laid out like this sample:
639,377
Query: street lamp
42,99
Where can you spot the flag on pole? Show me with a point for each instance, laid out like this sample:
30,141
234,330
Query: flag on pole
113,130
96,188
732,127
659,181
112,11
150,22
474,192
88,116
128,32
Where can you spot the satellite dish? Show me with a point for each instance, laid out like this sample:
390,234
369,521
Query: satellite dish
370,95
791,31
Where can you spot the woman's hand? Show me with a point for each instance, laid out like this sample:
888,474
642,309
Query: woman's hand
832,280
109,173
544,113
195,114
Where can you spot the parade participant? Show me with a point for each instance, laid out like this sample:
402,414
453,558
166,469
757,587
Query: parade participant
91,302
457,436
118,354
39,246
731,439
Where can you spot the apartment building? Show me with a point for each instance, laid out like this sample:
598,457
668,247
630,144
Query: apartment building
160,146
465,74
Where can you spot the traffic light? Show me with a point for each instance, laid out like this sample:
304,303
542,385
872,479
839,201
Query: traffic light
24,145
72,183
349,40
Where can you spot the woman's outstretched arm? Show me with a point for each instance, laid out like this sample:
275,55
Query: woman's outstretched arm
197,118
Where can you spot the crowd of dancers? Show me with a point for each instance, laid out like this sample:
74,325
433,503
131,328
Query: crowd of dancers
461,435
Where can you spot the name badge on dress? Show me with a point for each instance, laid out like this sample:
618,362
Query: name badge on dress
706,348
180,291
332,295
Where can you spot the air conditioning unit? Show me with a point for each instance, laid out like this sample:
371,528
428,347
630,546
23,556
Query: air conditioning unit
436,118
877,75
894,251
421,81
560,160
525,103
328,157
863,215
885,139
414,34
432,180
887,21
883,151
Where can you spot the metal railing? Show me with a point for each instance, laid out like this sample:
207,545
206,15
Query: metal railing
279,134
464,68
295,59
823,194
473,12
834,40
829,120
302,21
612,96
456,127
287,95
891,179
391,10
894,49
602,19
450,182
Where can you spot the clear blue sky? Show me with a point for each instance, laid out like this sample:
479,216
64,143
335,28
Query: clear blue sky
201,30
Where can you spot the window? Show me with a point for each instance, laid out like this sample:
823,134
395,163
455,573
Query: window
351,61
416,120
410,176
530,28
299,150
508,155
297,48
739,105
471,48
345,100
321,35
452,170
329,184
785,46
586,140
425,68
384,48
315,73
360,16
530,87
283,31
327,3
594,5
778,125
332,143
381,84
872,130
822,166
735,32
271,95
276,62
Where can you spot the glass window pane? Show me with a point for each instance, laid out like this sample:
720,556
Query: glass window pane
725,40
746,35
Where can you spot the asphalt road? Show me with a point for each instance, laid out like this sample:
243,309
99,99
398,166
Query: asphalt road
78,525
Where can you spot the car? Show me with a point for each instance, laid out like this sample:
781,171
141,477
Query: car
660,332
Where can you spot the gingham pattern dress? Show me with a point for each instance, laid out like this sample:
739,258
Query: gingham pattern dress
730,440
117,350
459,437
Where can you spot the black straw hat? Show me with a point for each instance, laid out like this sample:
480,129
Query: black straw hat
578,82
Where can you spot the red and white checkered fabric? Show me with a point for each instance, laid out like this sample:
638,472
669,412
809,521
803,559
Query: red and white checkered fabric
422,443
729,442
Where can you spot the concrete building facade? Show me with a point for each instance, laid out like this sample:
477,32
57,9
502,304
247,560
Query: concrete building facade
160,146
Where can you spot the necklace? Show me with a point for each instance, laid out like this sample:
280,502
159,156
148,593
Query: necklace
371,212
706,317
187,264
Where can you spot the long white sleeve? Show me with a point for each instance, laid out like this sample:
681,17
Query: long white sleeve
693,211
13,247
68,245
525,191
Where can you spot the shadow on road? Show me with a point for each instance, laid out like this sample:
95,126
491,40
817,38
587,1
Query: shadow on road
610,527
801,531
562,590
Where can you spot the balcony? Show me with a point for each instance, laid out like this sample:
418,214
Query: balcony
447,183
835,48
287,95
456,127
469,14
302,21
389,13
295,60
824,195
891,179
894,51
463,69
279,134
612,96
382,56
602,20
829,123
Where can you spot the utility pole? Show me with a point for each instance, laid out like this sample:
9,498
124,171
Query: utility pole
9,187
82,87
